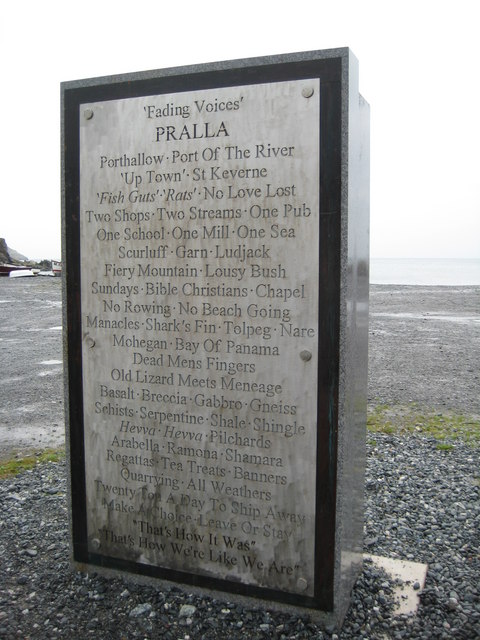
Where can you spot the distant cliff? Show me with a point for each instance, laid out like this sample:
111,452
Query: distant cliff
10,256
4,255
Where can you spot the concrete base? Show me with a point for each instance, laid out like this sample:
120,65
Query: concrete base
404,575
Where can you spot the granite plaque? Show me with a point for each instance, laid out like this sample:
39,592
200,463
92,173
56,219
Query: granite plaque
203,246
199,213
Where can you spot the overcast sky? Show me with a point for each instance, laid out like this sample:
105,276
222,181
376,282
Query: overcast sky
419,70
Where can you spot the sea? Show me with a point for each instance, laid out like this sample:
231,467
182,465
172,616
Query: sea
425,271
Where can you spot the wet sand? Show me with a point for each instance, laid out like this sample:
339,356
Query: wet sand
31,372
424,347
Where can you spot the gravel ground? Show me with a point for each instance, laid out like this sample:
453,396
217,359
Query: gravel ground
424,347
422,503
31,386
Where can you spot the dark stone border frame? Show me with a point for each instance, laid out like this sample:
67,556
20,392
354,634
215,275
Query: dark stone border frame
331,71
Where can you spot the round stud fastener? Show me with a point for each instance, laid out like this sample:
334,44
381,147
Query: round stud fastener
302,584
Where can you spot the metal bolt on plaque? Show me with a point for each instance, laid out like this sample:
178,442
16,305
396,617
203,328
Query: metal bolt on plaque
302,584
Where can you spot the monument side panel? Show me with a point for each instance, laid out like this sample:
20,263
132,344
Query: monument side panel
353,338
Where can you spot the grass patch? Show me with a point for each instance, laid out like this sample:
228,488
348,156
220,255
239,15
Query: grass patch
16,465
443,446
444,427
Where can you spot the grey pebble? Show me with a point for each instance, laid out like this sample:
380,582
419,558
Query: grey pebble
140,610
186,611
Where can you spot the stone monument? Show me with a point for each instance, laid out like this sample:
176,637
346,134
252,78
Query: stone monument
215,225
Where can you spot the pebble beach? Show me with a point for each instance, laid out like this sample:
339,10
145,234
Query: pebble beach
422,487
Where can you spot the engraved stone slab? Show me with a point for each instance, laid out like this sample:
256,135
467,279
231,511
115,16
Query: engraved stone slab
199,243
215,228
